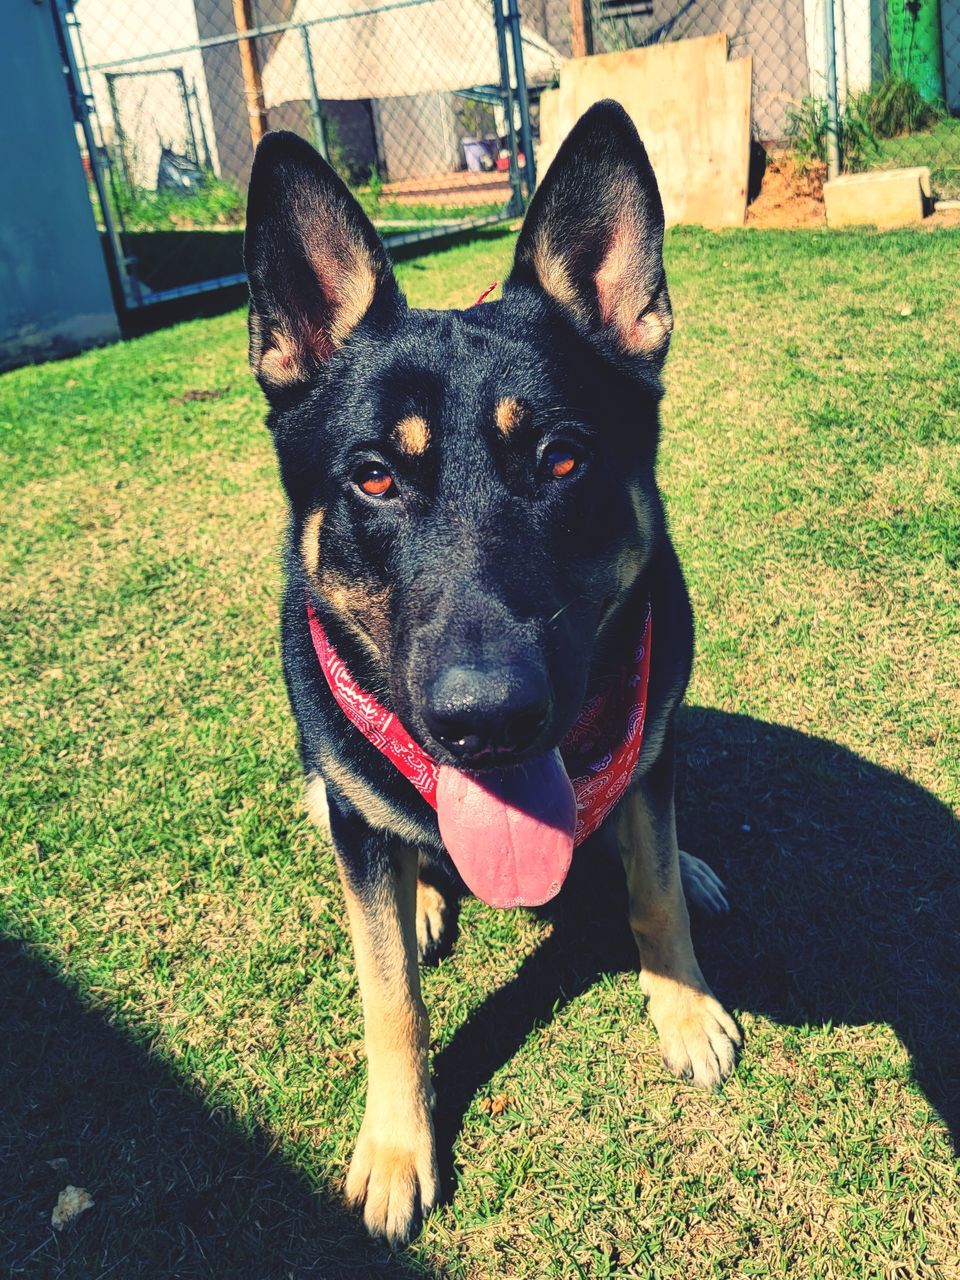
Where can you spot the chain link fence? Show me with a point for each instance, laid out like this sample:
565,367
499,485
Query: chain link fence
421,106
429,108
895,65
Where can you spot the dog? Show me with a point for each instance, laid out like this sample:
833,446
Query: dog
481,596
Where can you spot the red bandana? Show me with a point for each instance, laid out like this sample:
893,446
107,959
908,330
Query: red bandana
600,752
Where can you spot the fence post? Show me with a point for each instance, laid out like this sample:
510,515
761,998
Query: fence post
126,284
833,113
581,29
250,66
319,133
109,78
523,98
506,97
188,118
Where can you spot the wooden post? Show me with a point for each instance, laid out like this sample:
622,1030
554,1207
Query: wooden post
250,65
581,28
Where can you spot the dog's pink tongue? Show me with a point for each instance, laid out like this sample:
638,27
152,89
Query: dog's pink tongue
510,831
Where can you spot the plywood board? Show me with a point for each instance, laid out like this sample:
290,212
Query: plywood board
692,109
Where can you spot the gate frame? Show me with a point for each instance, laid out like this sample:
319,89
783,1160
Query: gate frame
131,294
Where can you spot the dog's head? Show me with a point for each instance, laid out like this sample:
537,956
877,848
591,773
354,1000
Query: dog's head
472,492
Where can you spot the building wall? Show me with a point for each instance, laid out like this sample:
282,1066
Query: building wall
55,293
419,135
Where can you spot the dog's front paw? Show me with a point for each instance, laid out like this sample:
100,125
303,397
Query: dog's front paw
435,923
393,1178
698,1037
702,887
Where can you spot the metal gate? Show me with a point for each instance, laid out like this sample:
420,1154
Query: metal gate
423,107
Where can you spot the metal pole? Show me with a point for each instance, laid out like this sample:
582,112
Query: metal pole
833,114
581,29
250,67
121,137
188,118
319,134
523,98
207,161
127,286
506,97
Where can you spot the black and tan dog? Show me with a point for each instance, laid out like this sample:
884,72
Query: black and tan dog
476,527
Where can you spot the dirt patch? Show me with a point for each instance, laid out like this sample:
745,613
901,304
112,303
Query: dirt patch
789,197
942,218
200,393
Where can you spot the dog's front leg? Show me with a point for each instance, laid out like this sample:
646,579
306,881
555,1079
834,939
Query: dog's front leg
698,1036
393,1173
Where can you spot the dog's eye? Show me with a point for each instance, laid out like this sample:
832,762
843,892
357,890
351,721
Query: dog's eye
560,461
374,480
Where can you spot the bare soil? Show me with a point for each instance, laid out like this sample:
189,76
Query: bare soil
789,196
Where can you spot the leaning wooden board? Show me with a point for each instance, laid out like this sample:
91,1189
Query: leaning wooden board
692,108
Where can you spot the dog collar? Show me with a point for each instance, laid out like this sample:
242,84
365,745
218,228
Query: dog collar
599,753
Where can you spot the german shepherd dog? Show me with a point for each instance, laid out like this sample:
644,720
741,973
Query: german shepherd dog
475,530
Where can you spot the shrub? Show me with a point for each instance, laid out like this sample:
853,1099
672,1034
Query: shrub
216,204
808,130
895,107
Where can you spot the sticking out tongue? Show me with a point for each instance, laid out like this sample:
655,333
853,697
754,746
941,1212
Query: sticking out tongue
510,831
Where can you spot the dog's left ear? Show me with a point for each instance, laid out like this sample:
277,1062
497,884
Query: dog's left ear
593,237
316,266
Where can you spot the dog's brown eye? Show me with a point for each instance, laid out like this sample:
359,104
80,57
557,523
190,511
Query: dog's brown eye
560,461
376,482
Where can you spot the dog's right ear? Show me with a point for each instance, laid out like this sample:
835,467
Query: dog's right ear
316,266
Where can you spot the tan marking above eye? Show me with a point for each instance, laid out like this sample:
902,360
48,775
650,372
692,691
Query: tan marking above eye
310,541
412,434
508,413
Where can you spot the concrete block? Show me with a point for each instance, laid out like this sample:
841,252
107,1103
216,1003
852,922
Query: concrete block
880,198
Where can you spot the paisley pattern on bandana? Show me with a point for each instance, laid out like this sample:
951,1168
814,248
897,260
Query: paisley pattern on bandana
600,752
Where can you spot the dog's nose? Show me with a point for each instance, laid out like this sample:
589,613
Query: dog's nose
484,713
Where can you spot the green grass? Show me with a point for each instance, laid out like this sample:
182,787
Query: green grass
215,204
387,212
181,1020
938,147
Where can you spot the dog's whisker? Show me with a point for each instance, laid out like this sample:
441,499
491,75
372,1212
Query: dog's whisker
563,608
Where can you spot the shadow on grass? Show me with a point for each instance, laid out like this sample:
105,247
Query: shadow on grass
171,259
846,901
179,1191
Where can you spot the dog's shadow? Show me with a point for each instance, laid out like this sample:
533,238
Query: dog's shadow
179,1188
846,908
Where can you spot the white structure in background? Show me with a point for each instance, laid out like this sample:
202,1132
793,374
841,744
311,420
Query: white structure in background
409,61
854,29
412,49
150,107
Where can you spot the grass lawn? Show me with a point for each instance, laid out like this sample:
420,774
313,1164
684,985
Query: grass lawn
938,147
180,1031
